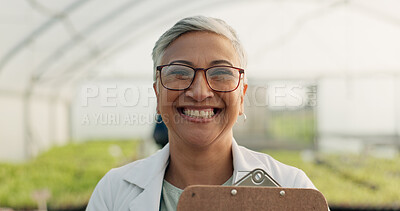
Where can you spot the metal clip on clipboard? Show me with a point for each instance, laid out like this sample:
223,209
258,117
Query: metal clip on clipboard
257,177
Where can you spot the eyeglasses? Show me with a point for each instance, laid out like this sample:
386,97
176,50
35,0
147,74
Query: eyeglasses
219,78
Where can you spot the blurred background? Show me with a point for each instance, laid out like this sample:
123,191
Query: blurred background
76,95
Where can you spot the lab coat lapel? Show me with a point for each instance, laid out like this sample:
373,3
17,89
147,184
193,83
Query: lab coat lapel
244,162
148,175
149,199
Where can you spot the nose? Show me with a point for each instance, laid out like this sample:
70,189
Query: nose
199,90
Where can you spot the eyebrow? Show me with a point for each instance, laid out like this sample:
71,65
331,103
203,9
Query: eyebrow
215,62
182,62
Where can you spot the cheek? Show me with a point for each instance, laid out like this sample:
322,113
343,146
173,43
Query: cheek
167,98
232,100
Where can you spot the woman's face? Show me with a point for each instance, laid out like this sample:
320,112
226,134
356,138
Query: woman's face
198,115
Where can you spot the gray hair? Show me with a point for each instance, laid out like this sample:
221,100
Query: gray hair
197,23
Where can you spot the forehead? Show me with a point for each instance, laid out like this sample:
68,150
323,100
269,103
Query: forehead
201,48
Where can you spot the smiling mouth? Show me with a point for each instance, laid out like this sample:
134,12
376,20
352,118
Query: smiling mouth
204,113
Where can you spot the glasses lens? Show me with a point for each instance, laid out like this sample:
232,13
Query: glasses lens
223,78
176,76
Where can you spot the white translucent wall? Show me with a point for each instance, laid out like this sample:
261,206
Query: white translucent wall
354,106
12,128
357,111
47,122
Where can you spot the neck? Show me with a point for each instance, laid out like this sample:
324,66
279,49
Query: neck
211,165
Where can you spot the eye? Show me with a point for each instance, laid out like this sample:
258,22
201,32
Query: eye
222,73
180,74
176,72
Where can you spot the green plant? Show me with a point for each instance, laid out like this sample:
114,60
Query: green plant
356,180
69,172
292,125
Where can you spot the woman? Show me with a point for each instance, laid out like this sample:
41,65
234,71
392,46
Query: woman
200,86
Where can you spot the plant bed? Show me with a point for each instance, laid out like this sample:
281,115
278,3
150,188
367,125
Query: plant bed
351,181
69,173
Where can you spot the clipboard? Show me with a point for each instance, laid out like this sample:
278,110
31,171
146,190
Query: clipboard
228,198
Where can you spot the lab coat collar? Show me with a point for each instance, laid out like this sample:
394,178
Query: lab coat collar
244,162
149,174
149,169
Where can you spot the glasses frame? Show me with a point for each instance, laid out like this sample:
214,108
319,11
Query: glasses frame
241,72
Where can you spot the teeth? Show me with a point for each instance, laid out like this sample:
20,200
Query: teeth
199,114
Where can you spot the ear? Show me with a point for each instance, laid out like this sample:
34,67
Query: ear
241,110
156,92
155,88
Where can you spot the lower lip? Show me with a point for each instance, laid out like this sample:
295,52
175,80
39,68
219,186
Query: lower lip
198,120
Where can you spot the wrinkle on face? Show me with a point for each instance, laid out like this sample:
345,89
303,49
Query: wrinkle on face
200,50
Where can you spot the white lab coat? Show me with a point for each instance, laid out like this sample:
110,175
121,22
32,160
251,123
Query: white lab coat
137,185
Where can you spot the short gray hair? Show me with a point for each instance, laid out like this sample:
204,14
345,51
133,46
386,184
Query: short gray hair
197,23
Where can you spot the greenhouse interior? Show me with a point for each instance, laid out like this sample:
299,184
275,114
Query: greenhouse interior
77,97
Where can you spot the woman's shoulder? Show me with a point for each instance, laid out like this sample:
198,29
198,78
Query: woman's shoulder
113,190
119,172
286,175
116,177
156,161
264,158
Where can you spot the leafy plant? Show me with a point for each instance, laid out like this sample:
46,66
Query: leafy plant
356,180
70,173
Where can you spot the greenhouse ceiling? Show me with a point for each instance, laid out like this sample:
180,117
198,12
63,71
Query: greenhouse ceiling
55,45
